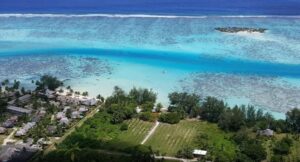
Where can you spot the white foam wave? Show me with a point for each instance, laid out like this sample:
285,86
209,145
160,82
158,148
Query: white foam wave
98,15
140,16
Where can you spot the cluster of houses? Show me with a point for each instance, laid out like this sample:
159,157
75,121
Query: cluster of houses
70,107
9,123
17,152
75,113
77,105
25,128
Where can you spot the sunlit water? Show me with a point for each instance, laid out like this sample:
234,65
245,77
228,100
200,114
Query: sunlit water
95,53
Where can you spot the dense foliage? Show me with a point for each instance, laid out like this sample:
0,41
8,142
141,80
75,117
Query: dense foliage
212,109
122,106
49,82
82,155
283,146
184,104
293,120
142,96
235,137
171,117
3,105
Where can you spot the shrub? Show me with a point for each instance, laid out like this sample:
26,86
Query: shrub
124,127
186,152
145,116
171,118
283,146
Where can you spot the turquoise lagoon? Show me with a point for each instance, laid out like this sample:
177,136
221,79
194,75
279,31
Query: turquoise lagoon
165,53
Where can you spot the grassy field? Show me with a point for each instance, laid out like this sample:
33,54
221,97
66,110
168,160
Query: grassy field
168,139
137,130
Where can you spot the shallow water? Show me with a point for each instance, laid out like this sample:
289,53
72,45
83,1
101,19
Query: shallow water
95,53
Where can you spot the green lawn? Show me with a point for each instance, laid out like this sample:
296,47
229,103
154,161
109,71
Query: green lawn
137,130
168,139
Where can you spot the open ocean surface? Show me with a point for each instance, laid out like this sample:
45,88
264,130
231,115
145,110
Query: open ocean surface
164,45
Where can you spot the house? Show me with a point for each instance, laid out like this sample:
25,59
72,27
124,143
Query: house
23,99
18,110
68,99
14,118
76,115
89,102
64,121
83,109
51,129
6,153
66,109
42,112
2,130
36,119
60,115
9,123
26,127
16,153
54,103
50,94
266,132
197,152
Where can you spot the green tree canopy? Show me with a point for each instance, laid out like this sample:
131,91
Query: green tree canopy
293,120
48,81
212,108
184,103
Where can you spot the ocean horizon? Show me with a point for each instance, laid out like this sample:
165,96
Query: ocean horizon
156,7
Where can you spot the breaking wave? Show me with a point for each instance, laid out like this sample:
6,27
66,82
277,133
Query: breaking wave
141,16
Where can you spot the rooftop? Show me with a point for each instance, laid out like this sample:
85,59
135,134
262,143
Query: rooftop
18,109
199,152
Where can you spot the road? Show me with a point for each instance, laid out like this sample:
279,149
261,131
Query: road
150,132
8,138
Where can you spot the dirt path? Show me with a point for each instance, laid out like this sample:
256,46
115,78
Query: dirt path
150,132
8,138
173,158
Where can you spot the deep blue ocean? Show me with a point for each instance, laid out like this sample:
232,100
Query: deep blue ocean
177,7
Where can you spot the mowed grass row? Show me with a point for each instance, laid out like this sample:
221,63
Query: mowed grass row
137,130
169,139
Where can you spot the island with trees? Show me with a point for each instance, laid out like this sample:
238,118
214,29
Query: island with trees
240,29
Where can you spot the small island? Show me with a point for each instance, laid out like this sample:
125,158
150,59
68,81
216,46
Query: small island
240,29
